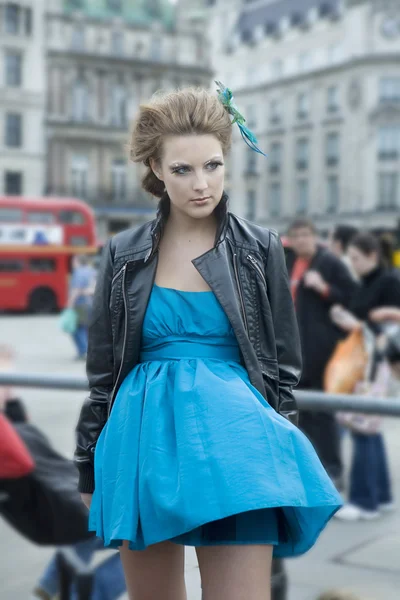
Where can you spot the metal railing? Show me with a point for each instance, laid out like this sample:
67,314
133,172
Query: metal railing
308,400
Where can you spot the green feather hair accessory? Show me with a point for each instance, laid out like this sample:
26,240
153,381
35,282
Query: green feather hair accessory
225,96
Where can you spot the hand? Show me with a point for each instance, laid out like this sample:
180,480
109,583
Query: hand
344,318
386,313
314,281
87,499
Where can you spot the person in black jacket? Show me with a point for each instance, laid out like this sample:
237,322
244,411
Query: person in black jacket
318,280
370,488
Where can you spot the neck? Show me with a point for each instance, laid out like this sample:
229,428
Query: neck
181,225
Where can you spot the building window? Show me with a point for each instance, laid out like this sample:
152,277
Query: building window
332,194
251,117
302,196
13,130
155,48
389,142
275,111
332,99
305,62
389,90
13,183
302,153
303,105
251,205
334,54
332,149
117,43
79,175
251,161
80,101
388,192
119,106
275,196
118,177
11,18
114,5
275,157
76,3
13,69
277,69
78,38
28,21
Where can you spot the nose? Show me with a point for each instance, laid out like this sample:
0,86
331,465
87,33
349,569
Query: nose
200,183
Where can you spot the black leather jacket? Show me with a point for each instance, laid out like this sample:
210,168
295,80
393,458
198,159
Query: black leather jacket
245,269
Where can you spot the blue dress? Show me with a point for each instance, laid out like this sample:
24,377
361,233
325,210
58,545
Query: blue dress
192,452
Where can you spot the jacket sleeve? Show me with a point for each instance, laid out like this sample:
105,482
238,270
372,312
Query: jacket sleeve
285,325
100,372
342,285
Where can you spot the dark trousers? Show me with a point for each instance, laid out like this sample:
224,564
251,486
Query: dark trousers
322,430
369,476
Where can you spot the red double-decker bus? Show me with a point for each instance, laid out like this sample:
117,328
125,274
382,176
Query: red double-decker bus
38,237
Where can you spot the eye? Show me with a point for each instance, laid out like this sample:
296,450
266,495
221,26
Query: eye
180,170
212,166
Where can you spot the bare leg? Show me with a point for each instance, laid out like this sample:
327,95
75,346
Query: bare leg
155,573
235,572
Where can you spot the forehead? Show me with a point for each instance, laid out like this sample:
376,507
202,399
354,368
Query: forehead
301,232
191,149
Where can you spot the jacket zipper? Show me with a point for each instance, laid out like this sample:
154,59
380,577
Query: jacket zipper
123,271
239,285
257,267
118,274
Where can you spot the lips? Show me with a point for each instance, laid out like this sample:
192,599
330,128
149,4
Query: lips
200,199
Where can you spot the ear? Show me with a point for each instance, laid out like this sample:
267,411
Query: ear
155,167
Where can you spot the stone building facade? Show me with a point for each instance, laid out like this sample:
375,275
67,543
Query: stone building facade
103,58
22,97
319,83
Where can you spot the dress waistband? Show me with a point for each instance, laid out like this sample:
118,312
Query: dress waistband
177,350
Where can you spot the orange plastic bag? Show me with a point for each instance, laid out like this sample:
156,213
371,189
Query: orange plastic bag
347,366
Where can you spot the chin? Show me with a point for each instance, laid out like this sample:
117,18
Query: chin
202,212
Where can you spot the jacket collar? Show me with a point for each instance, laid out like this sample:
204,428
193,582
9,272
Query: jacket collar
158,224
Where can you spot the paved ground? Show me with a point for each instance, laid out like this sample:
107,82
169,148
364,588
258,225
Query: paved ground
364,557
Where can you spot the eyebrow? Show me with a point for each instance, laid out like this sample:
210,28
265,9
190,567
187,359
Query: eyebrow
175,165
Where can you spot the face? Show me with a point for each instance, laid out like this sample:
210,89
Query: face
335,246
192,169
303,241
362,263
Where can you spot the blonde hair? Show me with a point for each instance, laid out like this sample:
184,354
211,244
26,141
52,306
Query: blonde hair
183,112
338,595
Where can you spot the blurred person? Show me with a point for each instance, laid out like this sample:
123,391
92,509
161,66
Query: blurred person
179,439
318,280
339,244
370,489
80,300
109,581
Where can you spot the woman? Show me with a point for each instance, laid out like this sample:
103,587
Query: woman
193,344
370,490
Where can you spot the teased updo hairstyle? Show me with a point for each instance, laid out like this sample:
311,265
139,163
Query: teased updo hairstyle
183,112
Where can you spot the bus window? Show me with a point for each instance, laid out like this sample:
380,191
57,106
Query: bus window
42,265
71,217
10,265
78,240
10,215
41,217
